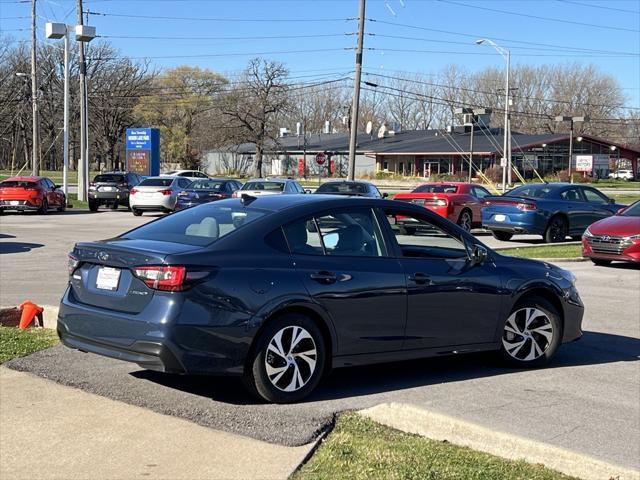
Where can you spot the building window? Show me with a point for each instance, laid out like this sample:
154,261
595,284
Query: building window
385,166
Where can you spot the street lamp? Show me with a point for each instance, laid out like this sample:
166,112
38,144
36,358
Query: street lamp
572,120
506,54
57,31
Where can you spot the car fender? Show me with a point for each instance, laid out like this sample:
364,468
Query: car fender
275,305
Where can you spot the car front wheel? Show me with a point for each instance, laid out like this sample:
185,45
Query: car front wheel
288,361
136,212
532,333
503,236
600,262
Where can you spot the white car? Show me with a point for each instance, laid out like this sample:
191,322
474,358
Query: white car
622,174
156,194
269,186
190,174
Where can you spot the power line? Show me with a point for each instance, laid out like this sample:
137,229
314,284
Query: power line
584,4
265,37
235,54
537,17
450,52
218,19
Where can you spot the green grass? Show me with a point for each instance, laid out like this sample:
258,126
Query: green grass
359,448
546,251
73,199
54,175
20,343
624,198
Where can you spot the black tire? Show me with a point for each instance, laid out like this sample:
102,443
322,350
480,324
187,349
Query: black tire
93,206
546,347
601,262
465,220
136,212
44,208
503,236
576,238
256,379
557,230
114,206
63,205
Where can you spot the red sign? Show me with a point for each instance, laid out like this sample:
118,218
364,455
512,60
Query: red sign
320,158
301,167
138,161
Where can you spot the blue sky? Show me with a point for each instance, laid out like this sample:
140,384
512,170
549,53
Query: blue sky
435,33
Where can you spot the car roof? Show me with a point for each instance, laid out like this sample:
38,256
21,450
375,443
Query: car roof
447,183
347,181
164,177
281,202
21,178
276,180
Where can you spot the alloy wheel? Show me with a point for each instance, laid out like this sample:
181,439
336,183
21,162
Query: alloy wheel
557,230
465,221
291,357
527,335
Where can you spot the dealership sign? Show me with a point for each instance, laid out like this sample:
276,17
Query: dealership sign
143,151
584,163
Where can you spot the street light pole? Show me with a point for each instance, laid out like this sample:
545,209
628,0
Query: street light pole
35,151
353,137
506,54
571,120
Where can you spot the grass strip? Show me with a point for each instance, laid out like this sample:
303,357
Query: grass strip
359,448
546,251
16,343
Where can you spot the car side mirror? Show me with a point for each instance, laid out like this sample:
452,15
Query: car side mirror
385,195
620,210
478,254
612,200
55,187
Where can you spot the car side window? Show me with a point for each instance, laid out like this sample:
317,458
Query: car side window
594,196
417,236
480,192
571,195
353,233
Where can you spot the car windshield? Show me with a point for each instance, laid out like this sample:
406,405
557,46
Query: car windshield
274,186
342,187
197,226
436,189
632,211
156,182
206,185
109,178
17,183
531,191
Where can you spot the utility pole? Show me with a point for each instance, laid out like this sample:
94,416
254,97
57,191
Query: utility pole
507,132
35,152
473,121
83,164
353,137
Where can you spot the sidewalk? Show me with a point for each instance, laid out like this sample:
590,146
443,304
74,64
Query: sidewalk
49,431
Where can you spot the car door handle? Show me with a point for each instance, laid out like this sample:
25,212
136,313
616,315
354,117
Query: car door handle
324,277
419,278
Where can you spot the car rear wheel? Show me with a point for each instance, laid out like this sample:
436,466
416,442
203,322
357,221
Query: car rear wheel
136,212
465,221
532,333
93,206
44,208
288,360
556,230
600,262
114,206
504,236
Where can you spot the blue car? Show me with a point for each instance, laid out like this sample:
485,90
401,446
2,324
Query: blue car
552,210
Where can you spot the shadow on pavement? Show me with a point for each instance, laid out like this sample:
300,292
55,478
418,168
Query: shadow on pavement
18,247
621,266
6,235
594,348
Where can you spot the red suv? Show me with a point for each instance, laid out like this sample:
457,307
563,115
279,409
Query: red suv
31,193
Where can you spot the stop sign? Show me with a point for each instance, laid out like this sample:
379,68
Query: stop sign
320,158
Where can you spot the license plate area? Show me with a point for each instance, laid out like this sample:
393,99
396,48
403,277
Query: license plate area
500,218
108,278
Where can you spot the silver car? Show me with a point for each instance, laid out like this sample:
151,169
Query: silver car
269,186
156,194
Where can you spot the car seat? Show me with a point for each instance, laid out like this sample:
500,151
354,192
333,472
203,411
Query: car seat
350,241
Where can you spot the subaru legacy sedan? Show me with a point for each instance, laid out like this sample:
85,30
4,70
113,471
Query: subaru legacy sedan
280,289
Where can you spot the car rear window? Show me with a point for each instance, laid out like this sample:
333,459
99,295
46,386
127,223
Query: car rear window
198,226
278,186
156,182
340,187
206,185
17,183
107,178
436,189
530,191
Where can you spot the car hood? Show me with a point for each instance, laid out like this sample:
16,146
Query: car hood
618,225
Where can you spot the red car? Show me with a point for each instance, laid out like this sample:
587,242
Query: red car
459,202
31,193
614,238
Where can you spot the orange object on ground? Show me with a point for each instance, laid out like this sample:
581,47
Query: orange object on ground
29,311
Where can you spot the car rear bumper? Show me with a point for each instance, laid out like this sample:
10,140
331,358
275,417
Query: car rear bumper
162,337
513,222
108,196
152,205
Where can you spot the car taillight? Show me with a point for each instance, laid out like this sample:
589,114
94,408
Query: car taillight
166,191
133,191
527,207
73,263
441,202
168,278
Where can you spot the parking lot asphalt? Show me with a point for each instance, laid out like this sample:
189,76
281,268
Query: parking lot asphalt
34,248
588,400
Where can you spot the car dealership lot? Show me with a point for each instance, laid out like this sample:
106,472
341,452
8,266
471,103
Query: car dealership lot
586,401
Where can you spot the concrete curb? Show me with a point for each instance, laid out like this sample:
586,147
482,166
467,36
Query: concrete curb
534,245
436,426
567,259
